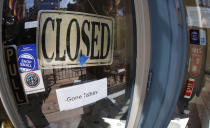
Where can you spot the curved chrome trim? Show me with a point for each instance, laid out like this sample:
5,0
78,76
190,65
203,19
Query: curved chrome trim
142,61
7,100
169,59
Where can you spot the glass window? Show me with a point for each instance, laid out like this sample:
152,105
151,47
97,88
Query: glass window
49,24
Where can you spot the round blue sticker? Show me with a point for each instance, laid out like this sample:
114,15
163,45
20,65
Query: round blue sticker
26,62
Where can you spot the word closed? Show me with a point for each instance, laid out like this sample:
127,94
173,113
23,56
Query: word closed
63,37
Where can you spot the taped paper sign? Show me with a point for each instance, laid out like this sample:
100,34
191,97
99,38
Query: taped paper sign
198,16
33,82
80,95
198,37
27,59
63,37
196,52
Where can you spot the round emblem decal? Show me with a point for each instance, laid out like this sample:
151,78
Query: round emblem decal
32,80
26,62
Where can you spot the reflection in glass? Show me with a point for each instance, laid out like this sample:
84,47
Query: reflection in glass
42,109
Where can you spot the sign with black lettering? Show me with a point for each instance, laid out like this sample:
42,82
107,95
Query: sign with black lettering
13,73
82,94
64,36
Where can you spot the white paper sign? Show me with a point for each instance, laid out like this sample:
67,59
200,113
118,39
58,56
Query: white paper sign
80,95
33,82
198,16
32,24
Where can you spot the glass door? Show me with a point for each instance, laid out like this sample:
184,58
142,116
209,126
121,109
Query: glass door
72,63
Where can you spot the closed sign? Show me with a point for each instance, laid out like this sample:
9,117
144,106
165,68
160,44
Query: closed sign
63,37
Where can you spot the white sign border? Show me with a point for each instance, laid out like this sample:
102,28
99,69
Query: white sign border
78,64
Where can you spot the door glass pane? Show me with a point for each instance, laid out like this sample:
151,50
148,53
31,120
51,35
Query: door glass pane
75,43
